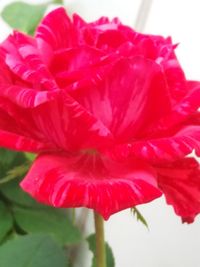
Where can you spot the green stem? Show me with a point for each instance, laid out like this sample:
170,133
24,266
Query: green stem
100,243
73,216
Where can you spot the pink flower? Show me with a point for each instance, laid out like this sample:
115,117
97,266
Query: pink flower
109,112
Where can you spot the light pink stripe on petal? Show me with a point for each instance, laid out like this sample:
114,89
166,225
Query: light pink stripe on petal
53,36
24,59
162,149
90,181
26,97
21,143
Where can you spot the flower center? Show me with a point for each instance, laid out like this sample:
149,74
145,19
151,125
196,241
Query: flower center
89,151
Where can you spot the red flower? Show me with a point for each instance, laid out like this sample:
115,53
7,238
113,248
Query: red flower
108,110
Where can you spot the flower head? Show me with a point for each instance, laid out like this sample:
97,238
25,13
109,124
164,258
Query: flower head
109,112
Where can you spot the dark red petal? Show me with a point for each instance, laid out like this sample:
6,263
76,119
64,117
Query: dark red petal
78,21
74,59
175,78
68,125
5,74
163,149
52,36
80,67
181,112
194,119
26,97
23,93
180,183
21,143
103,23
127,99
90,181
90,33
111,38
24,60
18,131
173,136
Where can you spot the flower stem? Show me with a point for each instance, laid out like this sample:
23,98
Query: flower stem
100,243
73,216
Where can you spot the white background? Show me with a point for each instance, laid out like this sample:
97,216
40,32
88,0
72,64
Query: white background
168,243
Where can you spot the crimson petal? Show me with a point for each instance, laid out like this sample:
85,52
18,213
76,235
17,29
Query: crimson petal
52,37
80,67
13,138
182,110
26,97
163,149
68,125
90,181
180,183
23,58
143,86
21,143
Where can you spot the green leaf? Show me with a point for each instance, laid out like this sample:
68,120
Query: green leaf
15,194
58,2
6,221
9,159
32,251
7,156
50,221
110,262
139,216
17,171
23,16
30,156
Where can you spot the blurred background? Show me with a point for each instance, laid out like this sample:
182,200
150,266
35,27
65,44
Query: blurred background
167,243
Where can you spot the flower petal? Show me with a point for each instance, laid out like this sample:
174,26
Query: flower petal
18,131
15,89
5,74
175,78
21,143
180,183
90,181
23,58
124,114
52,37
162,149
178,146
26,97
80,67
181,111
173,136
68,125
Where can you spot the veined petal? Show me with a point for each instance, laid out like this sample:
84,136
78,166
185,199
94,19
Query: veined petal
162,149
172,137
74,59
127,99
18,131
180,112
180,183
22,143
175,78
26,97
20,92
90,33
52,36
5,74
80,67
90,181
23,58
68,125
